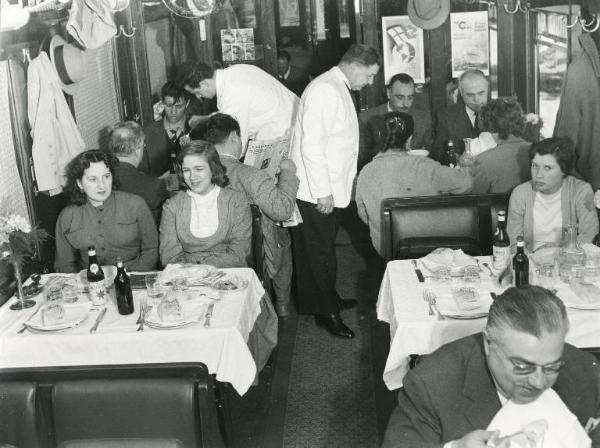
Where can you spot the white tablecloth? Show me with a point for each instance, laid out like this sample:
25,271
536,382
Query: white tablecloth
413,331
222,347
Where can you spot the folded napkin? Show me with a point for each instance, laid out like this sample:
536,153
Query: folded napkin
194,273
456,260
577,295
543,423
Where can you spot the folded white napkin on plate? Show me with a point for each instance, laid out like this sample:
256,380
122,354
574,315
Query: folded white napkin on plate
454,259
544,423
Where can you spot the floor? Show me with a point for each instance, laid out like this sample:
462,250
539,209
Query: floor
318,390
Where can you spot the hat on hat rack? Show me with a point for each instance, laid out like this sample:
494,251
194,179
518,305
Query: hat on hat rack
428,14
69,62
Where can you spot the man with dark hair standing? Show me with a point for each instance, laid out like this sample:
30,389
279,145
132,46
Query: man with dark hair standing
263,107
451,397
401,95
459,121
276,202
325,151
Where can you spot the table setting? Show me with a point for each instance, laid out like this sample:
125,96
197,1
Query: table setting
181,314
447,294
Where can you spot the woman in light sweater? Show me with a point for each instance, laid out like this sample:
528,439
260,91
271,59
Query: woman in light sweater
541,208
206,222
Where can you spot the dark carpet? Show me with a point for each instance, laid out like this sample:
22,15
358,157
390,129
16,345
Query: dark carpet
331,401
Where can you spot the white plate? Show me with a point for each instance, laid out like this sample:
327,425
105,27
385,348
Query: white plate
192,310
448,307
230,284
110,272
572,300
196,274
75,314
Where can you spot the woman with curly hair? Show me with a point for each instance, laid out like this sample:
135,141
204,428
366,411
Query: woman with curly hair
506,164
116,223
205,223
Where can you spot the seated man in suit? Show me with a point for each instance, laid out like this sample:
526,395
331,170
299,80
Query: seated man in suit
290,76
451,397
401,95
126,141
459,121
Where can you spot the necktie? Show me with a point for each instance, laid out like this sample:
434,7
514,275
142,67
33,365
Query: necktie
354,101
476,123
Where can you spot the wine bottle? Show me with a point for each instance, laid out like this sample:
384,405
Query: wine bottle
521,264
501,243
449,158
95,277
123,290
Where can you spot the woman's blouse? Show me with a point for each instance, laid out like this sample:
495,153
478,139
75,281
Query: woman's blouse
122,226
547,219
228,246
204,219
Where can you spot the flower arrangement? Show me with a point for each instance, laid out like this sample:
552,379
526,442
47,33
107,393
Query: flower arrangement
18,238
533,128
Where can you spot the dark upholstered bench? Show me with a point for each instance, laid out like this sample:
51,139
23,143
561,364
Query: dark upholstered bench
413,227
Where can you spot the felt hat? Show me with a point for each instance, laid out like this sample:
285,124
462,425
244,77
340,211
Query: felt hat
428,14
69,62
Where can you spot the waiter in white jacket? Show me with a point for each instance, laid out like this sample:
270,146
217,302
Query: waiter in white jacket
325,151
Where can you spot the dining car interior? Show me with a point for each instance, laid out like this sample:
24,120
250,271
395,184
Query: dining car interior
299,223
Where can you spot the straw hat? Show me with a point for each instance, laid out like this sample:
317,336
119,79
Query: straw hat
69,62
428,14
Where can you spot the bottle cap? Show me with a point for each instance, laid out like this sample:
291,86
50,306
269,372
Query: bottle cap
91,250
520,241
119,262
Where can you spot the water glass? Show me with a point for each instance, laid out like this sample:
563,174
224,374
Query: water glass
179,283
442,274
154,288
547,276
70,291
577,273
53,294
471,274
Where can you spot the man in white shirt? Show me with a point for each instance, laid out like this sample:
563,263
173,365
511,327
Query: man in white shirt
264,108
325,151
449,399
459,121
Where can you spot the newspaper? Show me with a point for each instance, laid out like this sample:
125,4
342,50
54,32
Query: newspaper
267,155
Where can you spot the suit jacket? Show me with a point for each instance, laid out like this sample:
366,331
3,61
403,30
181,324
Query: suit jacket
452,123
451,393
157,155
371,139
296,81
153,190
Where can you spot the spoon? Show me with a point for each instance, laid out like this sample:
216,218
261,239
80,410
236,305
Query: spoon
488,268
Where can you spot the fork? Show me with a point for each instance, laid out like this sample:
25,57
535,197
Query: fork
431,299
427,297
146,309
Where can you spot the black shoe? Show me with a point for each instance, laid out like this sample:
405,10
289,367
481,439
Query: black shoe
346,304
333,324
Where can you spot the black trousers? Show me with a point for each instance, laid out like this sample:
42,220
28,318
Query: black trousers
315,262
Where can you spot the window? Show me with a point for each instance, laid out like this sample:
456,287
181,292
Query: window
555,46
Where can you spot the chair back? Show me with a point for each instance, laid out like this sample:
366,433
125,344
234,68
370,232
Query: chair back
18,413
414,226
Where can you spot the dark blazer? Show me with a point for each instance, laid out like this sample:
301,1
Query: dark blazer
371,139
296,81
157,155
451,393
152,189
452,123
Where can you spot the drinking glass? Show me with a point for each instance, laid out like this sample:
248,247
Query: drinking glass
53,294
471,274
179,283
70,291
154,288
442,274
577,273
547,276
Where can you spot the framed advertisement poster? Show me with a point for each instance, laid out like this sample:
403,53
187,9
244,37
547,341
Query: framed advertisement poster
402,48
470,42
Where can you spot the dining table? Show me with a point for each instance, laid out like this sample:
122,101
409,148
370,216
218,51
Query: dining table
415,330
226,341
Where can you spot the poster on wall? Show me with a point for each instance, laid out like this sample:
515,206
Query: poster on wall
470,42
238,45
289,13
402,48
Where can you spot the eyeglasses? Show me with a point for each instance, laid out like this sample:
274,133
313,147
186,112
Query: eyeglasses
175,105
521,367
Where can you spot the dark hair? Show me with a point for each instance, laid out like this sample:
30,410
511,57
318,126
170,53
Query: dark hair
282,54
192,73
174,90
219,127
561,148
402,78
529,309
361,54
125,138
208,151
503,116
76,169
398,127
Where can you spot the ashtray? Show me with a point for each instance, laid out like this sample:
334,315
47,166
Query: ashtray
32,290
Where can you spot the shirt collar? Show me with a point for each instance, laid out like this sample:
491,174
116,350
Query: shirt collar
340,74
286,75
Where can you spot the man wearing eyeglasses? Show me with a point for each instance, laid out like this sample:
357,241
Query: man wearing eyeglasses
451,397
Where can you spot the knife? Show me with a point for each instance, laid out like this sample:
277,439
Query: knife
208,315
98,320
418,271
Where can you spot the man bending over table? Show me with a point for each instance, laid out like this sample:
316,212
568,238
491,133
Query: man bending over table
451,397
